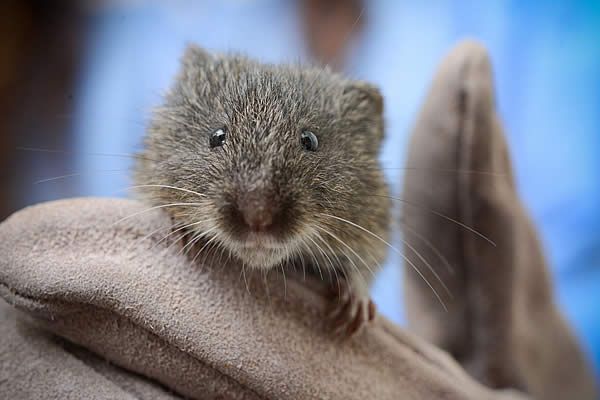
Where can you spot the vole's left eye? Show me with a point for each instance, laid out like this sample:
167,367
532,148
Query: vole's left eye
217,138
309,141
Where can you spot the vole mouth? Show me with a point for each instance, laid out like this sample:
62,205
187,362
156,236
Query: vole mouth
258,241
258,250
260,234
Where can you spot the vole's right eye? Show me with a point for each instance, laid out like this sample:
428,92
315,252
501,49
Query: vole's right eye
217,138
309,141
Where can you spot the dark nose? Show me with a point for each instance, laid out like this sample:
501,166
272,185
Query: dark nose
257,210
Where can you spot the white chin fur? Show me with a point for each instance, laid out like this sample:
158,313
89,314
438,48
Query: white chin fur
258,252
260,258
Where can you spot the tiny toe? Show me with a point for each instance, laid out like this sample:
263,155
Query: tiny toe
372,310
357,323
341,312
353,317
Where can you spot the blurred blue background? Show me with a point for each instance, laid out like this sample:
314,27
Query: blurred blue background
546,57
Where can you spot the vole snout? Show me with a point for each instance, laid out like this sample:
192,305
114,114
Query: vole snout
259,210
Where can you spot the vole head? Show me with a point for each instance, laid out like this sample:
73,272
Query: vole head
268,156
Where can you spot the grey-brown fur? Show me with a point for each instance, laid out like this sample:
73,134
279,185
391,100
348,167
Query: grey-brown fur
265,108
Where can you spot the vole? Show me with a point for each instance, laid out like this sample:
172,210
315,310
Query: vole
278,165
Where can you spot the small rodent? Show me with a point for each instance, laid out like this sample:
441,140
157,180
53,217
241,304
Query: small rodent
279,165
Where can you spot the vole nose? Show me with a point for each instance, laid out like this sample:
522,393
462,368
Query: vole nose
257,210
258,220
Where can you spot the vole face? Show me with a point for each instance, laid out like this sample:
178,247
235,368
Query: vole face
263,152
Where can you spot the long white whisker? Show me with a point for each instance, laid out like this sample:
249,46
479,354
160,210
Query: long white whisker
431,246
55,178
203,247
166,187
301,256
209,246
320,249
178,239
415,251
316,261
155,208
123,155
284,282
393,248
431,269
245,280
333,267
196,239
182,228
439,214
137,241
153,233
352,251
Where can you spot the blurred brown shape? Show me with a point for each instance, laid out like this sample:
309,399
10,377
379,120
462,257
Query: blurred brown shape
40,44
329,25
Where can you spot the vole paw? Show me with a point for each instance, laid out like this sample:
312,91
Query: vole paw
351,312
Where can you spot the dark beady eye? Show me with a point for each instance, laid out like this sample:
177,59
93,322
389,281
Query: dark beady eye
309,141
218,137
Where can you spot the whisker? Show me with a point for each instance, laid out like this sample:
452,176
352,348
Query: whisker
352,251
355,23
214,243
245,280
221,254
166,187
412,248
299,253
290,264
315,259
203,247
439,214
170,227
155,208
137,241
379,267
182,228
54,151
396,250
318,235
431,269
339,262
267,291
284,282
209,246
323,253
178,240
431,246
55,178
363,261
196,239
446,170
344,273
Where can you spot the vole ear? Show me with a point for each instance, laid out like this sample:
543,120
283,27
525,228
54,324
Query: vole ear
361,99
193,74
195,57
363,107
